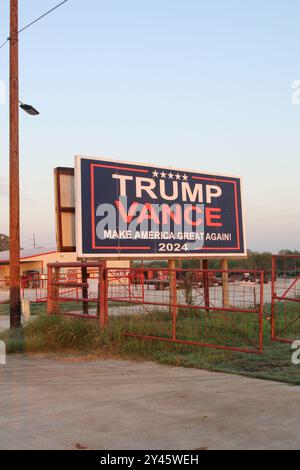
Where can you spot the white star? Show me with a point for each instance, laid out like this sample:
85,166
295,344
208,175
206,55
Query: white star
171,176
155,174
177,176
185,177
163,174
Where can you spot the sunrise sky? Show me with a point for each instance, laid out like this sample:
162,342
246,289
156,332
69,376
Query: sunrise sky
197,84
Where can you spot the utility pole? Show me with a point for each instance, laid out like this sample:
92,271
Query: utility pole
34,240
14,189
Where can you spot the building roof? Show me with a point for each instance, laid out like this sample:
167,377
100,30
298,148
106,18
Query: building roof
28,253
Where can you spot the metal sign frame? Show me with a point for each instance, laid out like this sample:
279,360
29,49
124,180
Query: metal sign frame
64,228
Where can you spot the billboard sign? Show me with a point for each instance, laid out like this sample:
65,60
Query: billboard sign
134,210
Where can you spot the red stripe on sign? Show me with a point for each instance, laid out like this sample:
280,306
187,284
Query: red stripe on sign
138,170
236,215
212,179
236,211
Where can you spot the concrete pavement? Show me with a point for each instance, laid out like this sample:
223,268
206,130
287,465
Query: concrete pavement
110,404
4,322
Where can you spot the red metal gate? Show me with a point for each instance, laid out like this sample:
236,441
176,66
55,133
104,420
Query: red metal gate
129,284
211,308
83,295
285,298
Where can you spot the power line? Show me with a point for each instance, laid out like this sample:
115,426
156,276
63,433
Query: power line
4,43
42,16
35,21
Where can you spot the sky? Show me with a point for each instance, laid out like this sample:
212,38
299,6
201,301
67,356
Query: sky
205,85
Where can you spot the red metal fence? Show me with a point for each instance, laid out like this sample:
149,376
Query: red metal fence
285,298
83,295
211,308
35,288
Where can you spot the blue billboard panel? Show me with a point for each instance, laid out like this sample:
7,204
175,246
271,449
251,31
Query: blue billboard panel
139,211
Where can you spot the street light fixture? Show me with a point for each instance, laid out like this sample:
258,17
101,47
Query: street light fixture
29,109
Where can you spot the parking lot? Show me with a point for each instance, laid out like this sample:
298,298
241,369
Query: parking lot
245,291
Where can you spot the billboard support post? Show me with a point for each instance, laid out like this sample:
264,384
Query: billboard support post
53,290
56,289
225,283
105,292
205,282
84,280
173,294
49,291
103,304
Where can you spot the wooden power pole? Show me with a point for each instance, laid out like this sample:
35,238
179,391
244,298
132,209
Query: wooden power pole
14,191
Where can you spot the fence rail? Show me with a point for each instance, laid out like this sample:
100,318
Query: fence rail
285,304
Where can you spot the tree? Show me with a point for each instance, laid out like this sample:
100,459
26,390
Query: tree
4,242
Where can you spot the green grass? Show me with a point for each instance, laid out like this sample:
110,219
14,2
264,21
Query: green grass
35,308
58,334
4,309
41,307
230,329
